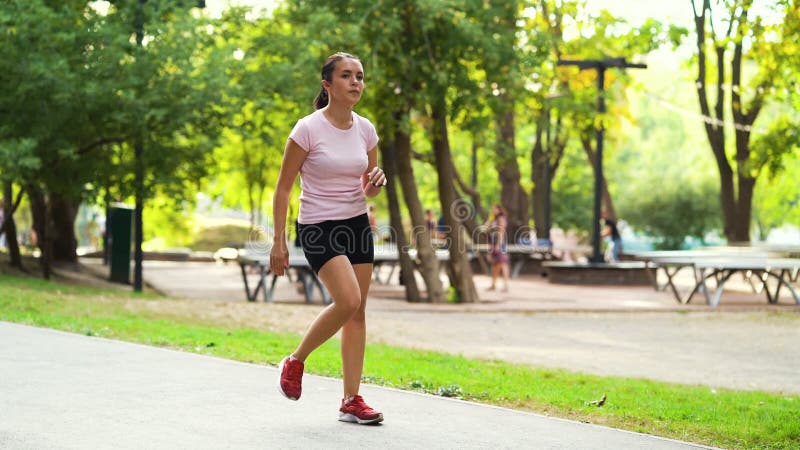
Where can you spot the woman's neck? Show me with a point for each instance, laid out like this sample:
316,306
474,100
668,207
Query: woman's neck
340,116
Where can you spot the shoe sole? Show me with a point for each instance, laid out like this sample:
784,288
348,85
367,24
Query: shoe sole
280,372
347,417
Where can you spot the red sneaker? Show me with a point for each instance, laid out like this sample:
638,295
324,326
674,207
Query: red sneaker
356,411
291,381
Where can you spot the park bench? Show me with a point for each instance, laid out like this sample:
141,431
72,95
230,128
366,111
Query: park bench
298,265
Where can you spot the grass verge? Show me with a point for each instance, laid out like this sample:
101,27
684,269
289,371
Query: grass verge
718,417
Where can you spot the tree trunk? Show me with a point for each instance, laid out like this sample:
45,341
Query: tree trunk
9,226
736,211
477,214
512,196
746,182
429,264
40,226
608,204
459,268
62,213
741,231
389,155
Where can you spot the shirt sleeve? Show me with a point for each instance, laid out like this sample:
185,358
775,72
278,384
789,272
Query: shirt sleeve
300,135
371,136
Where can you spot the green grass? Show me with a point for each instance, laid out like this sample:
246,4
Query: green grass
734,419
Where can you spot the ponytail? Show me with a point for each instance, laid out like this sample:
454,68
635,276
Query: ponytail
322,99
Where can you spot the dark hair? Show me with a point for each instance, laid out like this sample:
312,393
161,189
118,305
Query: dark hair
327,74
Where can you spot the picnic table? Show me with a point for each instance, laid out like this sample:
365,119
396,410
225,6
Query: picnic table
389,256
298,264
720,265
518,255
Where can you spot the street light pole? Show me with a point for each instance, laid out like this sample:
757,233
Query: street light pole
548,183
601,66
138,236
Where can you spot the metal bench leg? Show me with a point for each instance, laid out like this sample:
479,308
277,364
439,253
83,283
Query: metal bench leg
723,278
251,297
791,289
699,283
392,266
308,287
782,281
652,273
518,264
268,292
747,277
326,298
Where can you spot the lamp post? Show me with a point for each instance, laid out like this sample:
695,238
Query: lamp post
138,146
600,65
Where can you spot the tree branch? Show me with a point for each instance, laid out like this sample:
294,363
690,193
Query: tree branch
98,143
11,211
473,193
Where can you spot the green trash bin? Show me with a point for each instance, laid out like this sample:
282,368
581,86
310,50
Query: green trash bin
120,227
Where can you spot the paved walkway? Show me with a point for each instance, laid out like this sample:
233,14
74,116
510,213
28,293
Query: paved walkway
67,391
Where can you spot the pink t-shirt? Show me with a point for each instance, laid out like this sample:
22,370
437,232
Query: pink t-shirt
330,177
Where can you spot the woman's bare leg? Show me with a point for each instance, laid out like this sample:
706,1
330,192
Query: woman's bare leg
495,272
354,336
505,270
339,278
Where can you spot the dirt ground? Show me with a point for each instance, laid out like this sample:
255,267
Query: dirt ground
633,332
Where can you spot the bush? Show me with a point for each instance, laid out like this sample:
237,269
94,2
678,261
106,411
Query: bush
210,239
672,212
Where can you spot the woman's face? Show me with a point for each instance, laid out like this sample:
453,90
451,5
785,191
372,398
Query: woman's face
347,82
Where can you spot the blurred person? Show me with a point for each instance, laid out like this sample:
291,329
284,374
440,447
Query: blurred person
498,252
610,231
373,222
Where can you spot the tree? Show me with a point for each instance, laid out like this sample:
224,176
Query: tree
563,100
501,60
269,86
736,36
84,93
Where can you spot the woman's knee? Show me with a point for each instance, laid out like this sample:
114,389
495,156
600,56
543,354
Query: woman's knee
359,316
350,304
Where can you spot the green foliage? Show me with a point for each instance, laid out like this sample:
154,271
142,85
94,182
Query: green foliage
213,100
573,189
452,295
168,225
673,211
212,238
778,198
271,86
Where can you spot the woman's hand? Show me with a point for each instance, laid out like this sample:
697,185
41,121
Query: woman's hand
375,179
279,258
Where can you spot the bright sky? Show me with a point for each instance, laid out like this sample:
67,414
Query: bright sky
678,12
635,12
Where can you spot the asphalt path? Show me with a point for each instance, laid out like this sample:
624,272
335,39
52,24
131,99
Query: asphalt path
64,391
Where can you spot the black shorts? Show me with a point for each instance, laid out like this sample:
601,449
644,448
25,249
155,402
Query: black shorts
325,240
